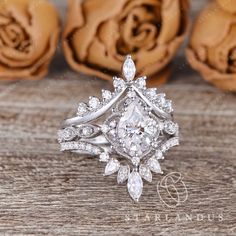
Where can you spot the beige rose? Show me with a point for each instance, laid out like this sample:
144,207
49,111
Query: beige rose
98,34
29,32
212,48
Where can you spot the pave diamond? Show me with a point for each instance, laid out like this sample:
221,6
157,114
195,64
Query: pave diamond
112,166
145,172
82,109
134,129
123,174
135,185
129,69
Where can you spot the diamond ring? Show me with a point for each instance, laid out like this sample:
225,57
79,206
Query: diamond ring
129,130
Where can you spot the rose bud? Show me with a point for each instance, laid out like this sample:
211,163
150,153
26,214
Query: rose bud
98,35
29,32
212,47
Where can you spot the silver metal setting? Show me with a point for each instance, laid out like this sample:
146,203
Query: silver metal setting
129,130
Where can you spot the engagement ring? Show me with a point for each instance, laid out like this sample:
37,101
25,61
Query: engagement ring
129,129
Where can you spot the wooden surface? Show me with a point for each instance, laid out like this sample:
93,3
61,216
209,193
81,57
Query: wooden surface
45,192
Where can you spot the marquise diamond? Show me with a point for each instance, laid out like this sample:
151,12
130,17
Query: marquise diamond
123,174
129,69
135,185
145,172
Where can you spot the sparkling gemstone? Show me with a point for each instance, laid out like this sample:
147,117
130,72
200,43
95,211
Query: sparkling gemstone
151,93
94,103
112,166
135,185
135,160
82,109
129,69
107,95
112,124
87,131
123,174
167,106
105,128
118,83
160,99
158,154
170,127
112,132
132,129
141,82
131,94
145,172
67,134
151,126
154,165
104,157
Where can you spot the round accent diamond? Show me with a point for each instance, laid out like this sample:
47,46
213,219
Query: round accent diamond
167,106
94,103
107,95
160,99
82,109
170,127
151,93
67,134
87,131
104,157
131,94
141,82
118,83
105,128
136,161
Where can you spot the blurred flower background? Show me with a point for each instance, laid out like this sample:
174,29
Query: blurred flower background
97,34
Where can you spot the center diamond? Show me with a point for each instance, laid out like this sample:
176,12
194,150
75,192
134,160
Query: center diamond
136,129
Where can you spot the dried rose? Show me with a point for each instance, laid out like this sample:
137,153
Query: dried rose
29,32
98,34
212,48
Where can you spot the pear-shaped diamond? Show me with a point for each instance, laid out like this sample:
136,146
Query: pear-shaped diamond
112,166
135,185
129,69
154,165
136,129
145,172
123,174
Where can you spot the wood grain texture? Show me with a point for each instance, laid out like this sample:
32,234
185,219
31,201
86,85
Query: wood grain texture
45,192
